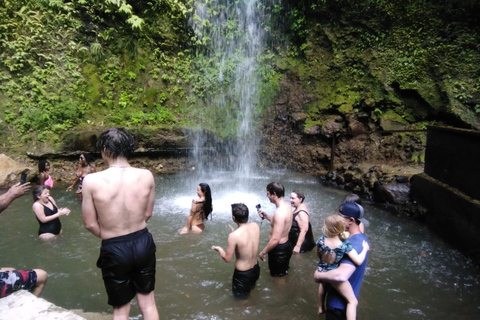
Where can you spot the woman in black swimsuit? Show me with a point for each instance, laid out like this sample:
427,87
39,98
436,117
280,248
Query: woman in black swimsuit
300,235
47,213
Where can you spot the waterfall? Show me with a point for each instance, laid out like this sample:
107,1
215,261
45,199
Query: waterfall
233,36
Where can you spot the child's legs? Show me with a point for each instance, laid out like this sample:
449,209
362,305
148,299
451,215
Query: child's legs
345,289
321,297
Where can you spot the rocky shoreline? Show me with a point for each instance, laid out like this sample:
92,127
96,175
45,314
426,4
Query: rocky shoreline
380,183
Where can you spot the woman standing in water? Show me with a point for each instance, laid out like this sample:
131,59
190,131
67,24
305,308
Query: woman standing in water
84,167
200,210
300,235
47,213
43,176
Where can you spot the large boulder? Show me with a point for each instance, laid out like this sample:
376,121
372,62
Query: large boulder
10,171
397,193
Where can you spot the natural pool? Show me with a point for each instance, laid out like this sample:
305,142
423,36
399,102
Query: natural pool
412,274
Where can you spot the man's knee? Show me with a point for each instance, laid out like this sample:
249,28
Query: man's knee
42,276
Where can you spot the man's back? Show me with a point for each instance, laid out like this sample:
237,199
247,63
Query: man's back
121,197
247,239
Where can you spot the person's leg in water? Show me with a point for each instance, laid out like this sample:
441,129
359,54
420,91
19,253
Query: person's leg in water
148,308
41,281
321,298
346,290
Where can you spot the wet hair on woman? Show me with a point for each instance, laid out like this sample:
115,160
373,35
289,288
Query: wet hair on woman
41,165
207,207
88,158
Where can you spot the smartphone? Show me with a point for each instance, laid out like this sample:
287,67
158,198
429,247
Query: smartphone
23,178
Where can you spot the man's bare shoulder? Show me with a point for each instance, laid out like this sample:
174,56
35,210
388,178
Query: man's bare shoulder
253,227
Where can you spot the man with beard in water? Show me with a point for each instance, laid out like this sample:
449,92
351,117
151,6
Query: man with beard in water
244,243
117,204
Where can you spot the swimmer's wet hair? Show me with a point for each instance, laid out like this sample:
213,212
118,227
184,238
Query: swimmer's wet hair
240,212
276,188
116,142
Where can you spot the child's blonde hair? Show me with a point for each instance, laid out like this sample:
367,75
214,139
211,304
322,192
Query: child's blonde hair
334,226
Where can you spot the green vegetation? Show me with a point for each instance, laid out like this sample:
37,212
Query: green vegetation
396,53
87,63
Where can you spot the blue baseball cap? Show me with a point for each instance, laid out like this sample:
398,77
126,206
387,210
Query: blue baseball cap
353,210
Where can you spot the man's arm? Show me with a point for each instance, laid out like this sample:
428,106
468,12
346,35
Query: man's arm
151,197
13,193
340,274
277,224
231,244
89,213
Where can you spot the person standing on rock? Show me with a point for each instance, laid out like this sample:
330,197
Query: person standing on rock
117,203
278,247
12,279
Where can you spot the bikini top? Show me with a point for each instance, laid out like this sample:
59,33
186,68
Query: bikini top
49,182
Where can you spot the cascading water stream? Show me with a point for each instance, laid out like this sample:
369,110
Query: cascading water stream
234,35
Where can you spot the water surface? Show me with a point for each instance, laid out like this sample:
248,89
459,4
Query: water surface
412,274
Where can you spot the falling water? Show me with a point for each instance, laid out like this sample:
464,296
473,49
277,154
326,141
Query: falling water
234,35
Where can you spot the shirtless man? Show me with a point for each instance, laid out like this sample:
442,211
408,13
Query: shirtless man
117,204
244,243
278,247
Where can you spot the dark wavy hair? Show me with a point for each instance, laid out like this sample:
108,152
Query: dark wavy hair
88,158
41,165
207,207
116,142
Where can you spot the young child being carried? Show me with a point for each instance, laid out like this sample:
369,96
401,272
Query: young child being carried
330,249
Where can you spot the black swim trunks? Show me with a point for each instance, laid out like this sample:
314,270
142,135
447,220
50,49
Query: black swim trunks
128,266
11,281
279,259
244,281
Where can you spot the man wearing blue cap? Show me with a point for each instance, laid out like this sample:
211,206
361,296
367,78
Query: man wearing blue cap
336,305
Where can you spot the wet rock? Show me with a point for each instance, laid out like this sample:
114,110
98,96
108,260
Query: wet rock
22,305
398,193
401,179
333,125
356,127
